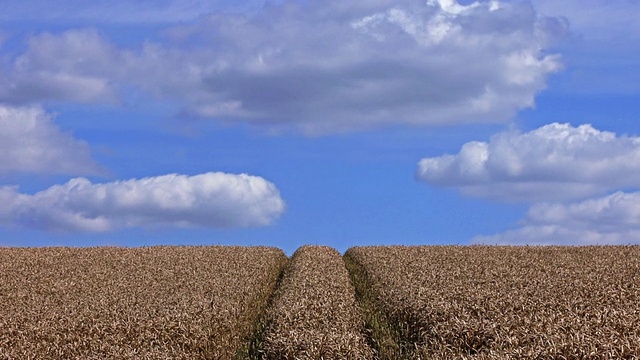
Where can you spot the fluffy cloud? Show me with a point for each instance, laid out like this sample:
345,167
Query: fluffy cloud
208,200
318,67
550,167
612,219
78,66
31,142
553,163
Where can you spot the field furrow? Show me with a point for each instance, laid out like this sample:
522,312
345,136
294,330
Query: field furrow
144,303
506,302
315,314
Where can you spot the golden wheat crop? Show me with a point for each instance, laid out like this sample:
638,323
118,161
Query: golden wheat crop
508,302
144,303
315,314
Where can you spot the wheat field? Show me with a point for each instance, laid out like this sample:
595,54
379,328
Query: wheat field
144,303
485,302
377,302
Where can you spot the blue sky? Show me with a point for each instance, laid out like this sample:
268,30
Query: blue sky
286,123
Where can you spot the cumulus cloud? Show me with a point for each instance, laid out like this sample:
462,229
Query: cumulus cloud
571,175
553,163
77,65
31,143
214,200
317,67
612,219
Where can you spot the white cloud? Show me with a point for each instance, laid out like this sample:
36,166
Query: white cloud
31,143
553,163
612,219
77,65
549,167
315,67
215,200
